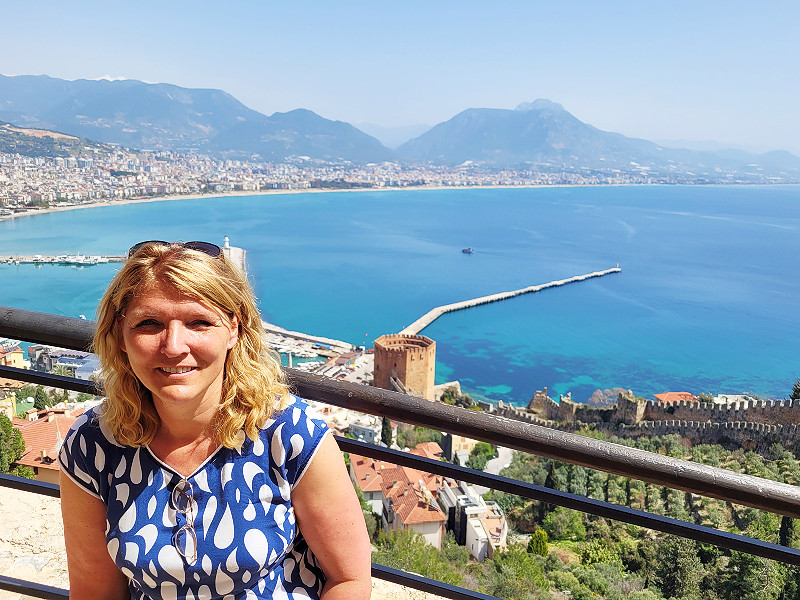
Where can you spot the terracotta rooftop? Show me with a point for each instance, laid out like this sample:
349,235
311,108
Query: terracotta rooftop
401,484
675,397
45,435
430,450
409,501
368,472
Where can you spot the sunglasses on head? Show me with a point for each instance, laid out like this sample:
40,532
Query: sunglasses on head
212,250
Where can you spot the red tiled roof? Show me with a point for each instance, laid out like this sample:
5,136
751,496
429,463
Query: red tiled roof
428,450
10,383
45,434
401,485
675,397
368,472
408,499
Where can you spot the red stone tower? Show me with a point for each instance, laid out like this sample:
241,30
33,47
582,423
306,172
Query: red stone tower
411,359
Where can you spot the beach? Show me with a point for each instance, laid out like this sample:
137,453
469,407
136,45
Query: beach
240,193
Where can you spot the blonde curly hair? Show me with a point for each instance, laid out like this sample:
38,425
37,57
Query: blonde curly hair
254,385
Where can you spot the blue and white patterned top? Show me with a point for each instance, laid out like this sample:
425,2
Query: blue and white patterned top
248,544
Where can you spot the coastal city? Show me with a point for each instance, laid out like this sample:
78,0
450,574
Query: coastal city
33,183
396,301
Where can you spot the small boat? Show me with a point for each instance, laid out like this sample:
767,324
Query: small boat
467,250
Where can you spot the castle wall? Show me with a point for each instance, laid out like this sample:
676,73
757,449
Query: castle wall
772,412
752,425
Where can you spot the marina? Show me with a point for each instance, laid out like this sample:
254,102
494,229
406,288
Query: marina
80,260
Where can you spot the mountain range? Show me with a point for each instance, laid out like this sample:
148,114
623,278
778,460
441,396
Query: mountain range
539,135
161,116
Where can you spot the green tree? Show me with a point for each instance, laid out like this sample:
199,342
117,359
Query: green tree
598,551
480,455
796,391
517,575
752,577
386,432
63,371
83,397
538,543
12,446
679,571
409,436
564,524
408,550
451,396
26,391
40,399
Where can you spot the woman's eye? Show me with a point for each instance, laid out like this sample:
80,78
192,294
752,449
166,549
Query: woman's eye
147,324
200,324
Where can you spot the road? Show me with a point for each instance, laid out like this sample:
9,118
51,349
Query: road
495,465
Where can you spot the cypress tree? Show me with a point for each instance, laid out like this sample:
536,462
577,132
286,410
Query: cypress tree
40,399
386,432
12,446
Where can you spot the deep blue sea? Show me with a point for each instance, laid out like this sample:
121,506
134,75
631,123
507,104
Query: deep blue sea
708,299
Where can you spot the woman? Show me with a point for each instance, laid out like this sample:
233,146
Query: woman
200,476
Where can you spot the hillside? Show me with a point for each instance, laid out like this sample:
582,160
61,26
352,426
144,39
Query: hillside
40,142
537,136
161,116
542,135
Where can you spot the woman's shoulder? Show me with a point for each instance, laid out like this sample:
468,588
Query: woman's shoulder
91,427
291,438
297,412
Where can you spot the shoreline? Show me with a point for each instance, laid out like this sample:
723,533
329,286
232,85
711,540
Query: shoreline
236,194
215,195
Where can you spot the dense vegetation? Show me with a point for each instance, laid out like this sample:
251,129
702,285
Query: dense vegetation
559,553
13,141
12,447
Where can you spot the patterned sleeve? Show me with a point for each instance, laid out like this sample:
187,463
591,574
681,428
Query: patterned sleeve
81,457
297,436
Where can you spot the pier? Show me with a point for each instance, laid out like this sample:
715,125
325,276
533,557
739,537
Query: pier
80,260
430,316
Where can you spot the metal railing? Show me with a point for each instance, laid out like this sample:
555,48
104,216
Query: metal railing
654,468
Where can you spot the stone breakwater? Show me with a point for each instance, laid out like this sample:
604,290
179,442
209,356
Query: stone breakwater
433,314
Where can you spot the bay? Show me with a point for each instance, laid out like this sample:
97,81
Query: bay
707,300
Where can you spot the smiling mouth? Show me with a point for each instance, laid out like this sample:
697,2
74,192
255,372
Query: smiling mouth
175,370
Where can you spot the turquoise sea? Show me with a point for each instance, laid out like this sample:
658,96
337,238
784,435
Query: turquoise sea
708,299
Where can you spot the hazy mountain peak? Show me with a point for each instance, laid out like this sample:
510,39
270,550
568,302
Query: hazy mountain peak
540,104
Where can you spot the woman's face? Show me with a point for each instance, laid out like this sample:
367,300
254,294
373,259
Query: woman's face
177,348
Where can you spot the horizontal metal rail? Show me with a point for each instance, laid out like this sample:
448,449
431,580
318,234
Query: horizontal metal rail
714,482
32,589
42,488
566,447
37,590
608,510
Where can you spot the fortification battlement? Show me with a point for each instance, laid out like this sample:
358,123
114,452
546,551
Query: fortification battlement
397,343
630,411
735,405
731,426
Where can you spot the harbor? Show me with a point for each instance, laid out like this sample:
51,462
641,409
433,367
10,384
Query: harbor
433,314
81,260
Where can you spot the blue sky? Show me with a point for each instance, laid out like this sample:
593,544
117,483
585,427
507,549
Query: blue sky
724,71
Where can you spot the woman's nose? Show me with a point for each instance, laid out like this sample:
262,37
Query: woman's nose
175,340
